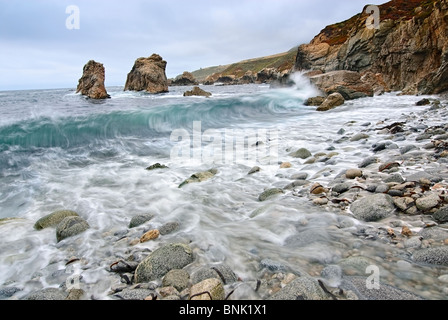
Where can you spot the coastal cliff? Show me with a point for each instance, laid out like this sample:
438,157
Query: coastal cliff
408,50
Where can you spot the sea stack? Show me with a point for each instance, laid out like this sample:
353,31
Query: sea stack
91,84
148,74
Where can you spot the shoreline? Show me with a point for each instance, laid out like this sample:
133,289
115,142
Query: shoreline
276,280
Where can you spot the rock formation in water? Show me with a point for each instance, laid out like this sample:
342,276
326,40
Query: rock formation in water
91,84
148,74
408,52
185,79
196,91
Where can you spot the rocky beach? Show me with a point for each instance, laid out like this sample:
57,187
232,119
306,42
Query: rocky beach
322,180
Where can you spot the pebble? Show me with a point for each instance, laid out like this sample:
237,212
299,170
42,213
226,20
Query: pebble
353,173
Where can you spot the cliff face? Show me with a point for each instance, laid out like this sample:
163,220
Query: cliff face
148,74
409,50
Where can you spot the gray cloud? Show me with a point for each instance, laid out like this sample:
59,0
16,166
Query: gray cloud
38,51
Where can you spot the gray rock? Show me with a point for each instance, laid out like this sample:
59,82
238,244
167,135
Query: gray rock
297,183
299,176
332,275
341,187
305,238
385,292
434,233
273,266
199,177
394,178
156,166
414,242
302,288
373,207
441,215
425,175
134,294
434,256
302,153
213,287
47,294
359,136
269,193
382,188
254,169
7,292
53,219
368,161
428,202
220,271
176,278
140,219
162,260
407,148
169,227
71,226
356,264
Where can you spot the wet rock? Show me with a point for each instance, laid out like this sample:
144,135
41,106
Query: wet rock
200,177
406,204
394,178
71,226
211,289
176,278
359,136
196,91
373,207
341,187
302,288
53,219
407,148
385,291
428,202
134,294
314,101
434,233
353,173
355,265
269,193
382,188
297,183
332,101
254,169
273,266
305,238
367,162
317,188
414,242
91,84
435,256
7,292
299,176
150,235
185,79
169,227
332,275
285,165
302,153
148,74
140,219
162,260
47,294
441,215
156,166
425,175
423,102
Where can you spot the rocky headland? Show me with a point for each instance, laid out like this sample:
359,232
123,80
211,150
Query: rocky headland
407,52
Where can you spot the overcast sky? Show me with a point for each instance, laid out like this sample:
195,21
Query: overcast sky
38,51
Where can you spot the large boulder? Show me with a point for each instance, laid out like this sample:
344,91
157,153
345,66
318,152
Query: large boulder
163,260
91,84
53,219
332,101
373,207
347,83
148,74
185,79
